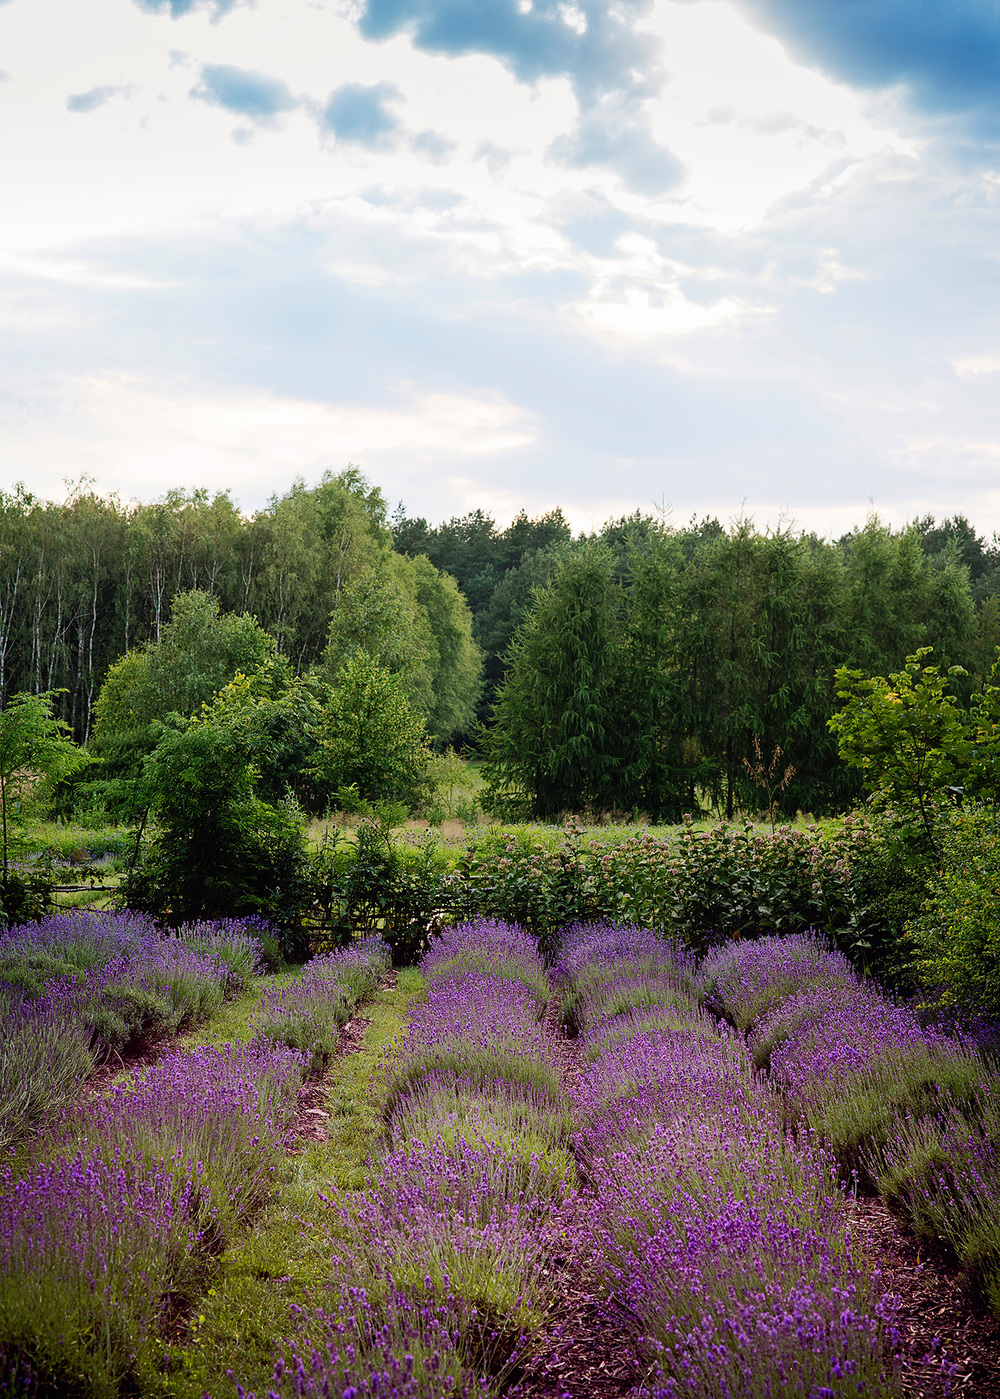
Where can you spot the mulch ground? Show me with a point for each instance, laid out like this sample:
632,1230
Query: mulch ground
949,1346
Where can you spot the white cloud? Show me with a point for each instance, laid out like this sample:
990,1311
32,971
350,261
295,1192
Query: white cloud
974,366
128,435
808,318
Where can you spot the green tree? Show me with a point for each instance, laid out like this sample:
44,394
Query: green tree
560,741
760,621
200,651
33,744
218,850
278,712
510,602
908,736
381,615
369,740
667,765
458,662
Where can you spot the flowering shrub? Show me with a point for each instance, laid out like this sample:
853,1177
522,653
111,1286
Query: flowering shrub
98,1243
78,988
745,980
942,1173
90,1249
909,1109
406,1346
307,1014
44,1052
719,1238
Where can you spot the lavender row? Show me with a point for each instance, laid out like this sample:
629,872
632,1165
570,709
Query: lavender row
439,1260
912,1111
105,1241
717,1239
98,1244
75,989
308,1014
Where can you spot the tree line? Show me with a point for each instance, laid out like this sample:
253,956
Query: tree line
89,580
659,667
638,667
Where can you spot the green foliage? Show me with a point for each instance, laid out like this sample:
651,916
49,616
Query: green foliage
26,895
559,743
455,789
379,615
381,886
201,649
458,662
413,621
889,871
219,850
540,885
956,933
908,737
734,881
277,715
33,744
368,737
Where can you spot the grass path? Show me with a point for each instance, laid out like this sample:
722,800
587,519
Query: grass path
283,1261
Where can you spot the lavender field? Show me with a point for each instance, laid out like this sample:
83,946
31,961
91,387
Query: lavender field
662,1145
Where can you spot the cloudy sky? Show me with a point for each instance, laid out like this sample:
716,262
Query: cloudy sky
708,255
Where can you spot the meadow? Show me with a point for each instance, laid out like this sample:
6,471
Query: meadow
226,1176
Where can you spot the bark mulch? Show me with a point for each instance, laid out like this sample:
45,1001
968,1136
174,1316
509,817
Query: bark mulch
121,1065
950,1346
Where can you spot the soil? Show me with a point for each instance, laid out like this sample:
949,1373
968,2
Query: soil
949,1345
311,1117
121,1065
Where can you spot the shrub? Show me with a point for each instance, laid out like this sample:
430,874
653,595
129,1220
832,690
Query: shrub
957,931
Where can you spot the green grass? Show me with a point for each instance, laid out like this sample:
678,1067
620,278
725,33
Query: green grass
235,1021
284,1260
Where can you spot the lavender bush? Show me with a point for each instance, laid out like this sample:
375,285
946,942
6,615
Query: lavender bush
90,1251
482,1020
308,1014
851,1063
408,1346
720,1239
44,1053
908,1110
99,1243
942,1173
744,980
135,984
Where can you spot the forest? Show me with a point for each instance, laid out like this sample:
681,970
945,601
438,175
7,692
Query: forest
638,668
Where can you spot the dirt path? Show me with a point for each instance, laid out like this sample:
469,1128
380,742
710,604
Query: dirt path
311,1115
582,1354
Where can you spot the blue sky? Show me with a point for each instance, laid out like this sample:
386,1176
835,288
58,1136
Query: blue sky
705,255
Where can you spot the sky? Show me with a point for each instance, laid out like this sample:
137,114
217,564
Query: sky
705,257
